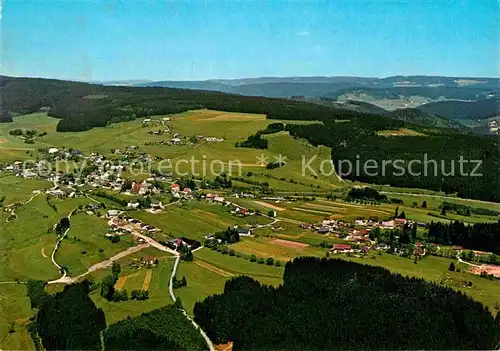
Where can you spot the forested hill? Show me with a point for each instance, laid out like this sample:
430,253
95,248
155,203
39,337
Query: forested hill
339,305
82,106
464,109
417,116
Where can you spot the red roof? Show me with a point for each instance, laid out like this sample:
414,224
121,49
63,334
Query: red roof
341,247
186,190
175,186
137,187
400,220
418,244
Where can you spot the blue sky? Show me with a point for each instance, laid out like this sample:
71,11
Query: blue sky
158,40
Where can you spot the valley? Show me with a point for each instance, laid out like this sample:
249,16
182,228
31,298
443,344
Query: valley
132,208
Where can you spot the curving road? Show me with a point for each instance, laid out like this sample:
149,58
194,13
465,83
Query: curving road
171,290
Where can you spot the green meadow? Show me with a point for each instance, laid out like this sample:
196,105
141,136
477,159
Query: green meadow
26,243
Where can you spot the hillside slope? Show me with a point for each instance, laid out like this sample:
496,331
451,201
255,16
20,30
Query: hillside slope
464,109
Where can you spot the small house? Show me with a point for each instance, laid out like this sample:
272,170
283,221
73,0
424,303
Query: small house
175,188
323,230
244,231
149,260
341,248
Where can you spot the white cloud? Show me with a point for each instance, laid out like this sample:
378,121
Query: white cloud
303,33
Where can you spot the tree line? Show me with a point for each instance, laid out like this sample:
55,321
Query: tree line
478,236
163,329
439,154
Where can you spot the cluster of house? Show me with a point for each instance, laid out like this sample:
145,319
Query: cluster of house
358,230
145,261
235,208
120,223
177,193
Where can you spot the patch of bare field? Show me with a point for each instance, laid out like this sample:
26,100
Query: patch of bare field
265,204
288,243
3,141
120,283
489,269
147,279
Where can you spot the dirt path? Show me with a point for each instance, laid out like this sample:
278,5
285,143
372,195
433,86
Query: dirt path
120,255
213,269
265,204
290,244
129,228
43,252
101,265
147,279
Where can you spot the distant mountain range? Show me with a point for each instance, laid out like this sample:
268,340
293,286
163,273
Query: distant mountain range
450,97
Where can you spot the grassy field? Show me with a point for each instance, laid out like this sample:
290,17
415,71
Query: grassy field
25,246
195,219
209,271
435,269
320,208
17,189
188,124
158,292
80,249
15,311
266,247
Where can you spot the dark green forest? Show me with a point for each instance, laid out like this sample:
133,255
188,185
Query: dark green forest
82,106
478,236
162,329
69,320
440,155
332,304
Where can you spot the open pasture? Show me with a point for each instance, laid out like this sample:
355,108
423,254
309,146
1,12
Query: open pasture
158,292
24,241
263,247
86,244
15,311
435,269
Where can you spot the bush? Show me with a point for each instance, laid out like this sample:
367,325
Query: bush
253,258
269,261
